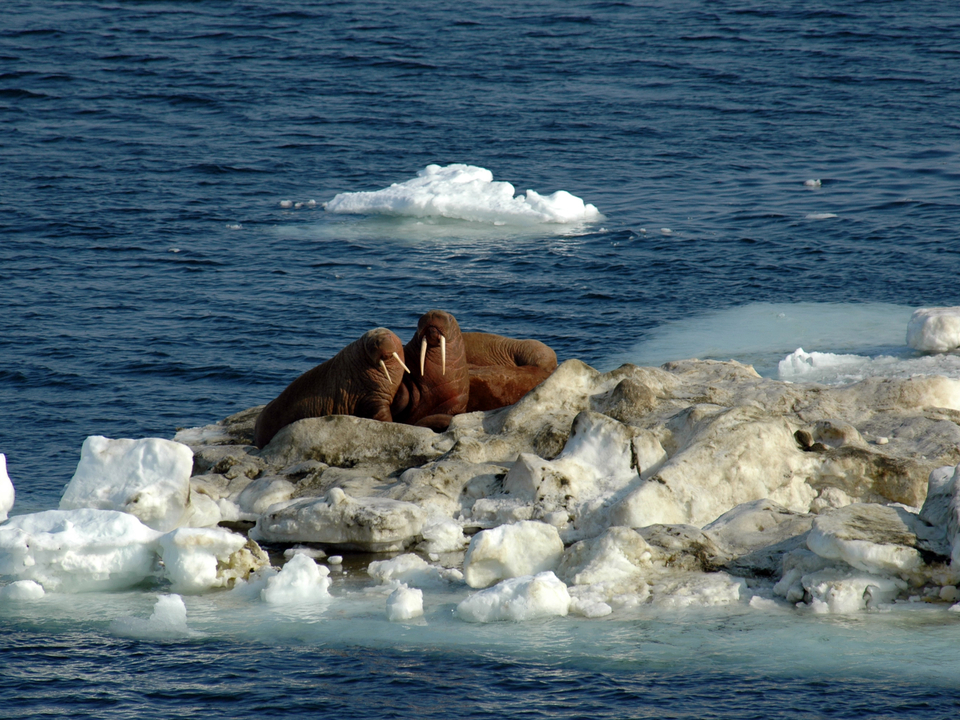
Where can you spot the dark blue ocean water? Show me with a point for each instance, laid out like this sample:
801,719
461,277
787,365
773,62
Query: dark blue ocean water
151,279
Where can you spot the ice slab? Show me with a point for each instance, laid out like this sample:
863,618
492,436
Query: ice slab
78,550
465,192
148,478
523,548
518,599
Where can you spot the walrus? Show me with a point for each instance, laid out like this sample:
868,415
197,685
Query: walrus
362,380
502,370
438,385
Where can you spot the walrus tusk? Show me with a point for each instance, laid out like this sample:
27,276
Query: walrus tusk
385,371
443,355
401,363
423,355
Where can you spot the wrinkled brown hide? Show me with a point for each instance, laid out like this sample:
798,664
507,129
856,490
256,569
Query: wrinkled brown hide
431,399
352,382
503,370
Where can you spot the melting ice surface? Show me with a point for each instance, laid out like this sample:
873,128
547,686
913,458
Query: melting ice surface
465,192
828,343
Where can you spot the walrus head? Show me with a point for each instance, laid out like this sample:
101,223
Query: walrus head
439,384
384,350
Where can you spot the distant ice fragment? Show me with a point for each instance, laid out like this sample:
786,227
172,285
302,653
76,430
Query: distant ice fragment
465,192
812,183
7,494
148,478
286,204
169,619
821,216
404,603
934,330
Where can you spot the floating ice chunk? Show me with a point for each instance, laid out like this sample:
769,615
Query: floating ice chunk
286,204
169,619
78,550
812,183
465,192
6,489
412,570
834,590
821,216
404,603
761,603
528,597
148,478
442,535
523,548
198,559
299,582
934,330
21,590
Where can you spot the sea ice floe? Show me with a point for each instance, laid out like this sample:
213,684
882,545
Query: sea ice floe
148,478
465,192
517,599
404,603
300,581
7,494
934,330
524,548
78,550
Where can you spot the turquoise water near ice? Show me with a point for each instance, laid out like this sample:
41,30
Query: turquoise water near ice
152,280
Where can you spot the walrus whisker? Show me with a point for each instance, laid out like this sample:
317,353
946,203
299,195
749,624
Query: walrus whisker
402,364
385,371
443,355
423,355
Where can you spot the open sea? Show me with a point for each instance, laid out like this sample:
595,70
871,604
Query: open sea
162,266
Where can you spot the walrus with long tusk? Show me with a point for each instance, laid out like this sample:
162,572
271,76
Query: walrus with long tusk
362,380
438,385
503,370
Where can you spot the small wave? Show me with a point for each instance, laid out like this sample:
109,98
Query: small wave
465,192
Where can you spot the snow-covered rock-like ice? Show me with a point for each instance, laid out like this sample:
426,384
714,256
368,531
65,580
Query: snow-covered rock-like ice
934,330
78,550
523,548
404,603
465,192
148,478
412,570
7,494
300,581
518,599
373,524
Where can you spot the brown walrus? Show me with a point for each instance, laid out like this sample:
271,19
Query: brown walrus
503,370
438,384
362,380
